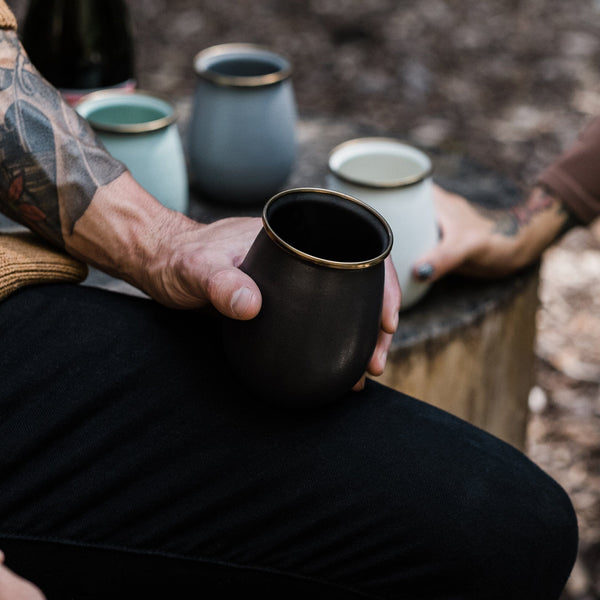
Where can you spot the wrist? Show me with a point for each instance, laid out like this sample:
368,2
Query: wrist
122,230
548,220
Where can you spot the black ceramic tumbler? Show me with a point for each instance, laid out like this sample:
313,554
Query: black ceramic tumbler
319,264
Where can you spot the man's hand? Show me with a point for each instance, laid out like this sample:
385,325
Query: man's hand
197,265
490,243
175,260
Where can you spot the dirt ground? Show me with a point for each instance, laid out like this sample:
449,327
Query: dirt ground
509,83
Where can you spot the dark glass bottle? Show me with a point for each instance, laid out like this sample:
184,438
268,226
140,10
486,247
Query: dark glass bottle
80,45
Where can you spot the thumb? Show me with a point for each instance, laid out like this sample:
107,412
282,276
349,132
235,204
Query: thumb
233,293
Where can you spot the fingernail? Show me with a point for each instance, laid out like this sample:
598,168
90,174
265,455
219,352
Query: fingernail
241,300
424,271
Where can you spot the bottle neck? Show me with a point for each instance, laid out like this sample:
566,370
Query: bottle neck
73,95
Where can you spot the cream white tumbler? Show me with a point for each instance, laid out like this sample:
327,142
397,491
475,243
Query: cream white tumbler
396,180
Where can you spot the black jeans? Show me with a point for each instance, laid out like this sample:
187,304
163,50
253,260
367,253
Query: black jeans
133,465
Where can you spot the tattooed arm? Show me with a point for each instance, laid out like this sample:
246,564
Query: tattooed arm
56,178
51,166
492,243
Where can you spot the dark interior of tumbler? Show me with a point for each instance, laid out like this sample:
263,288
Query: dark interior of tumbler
328,227
245,66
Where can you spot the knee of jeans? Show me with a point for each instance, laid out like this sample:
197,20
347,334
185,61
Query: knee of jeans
508,531
522,539
554,538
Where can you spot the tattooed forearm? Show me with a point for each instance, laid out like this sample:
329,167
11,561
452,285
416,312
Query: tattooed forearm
509,222
51,163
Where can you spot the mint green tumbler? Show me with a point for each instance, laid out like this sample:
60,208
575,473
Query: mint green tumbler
139,129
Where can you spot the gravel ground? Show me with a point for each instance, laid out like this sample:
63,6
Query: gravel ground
509,83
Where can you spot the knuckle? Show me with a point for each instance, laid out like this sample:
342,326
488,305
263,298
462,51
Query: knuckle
218,281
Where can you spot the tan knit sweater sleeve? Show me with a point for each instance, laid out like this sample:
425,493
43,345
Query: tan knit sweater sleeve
7,19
